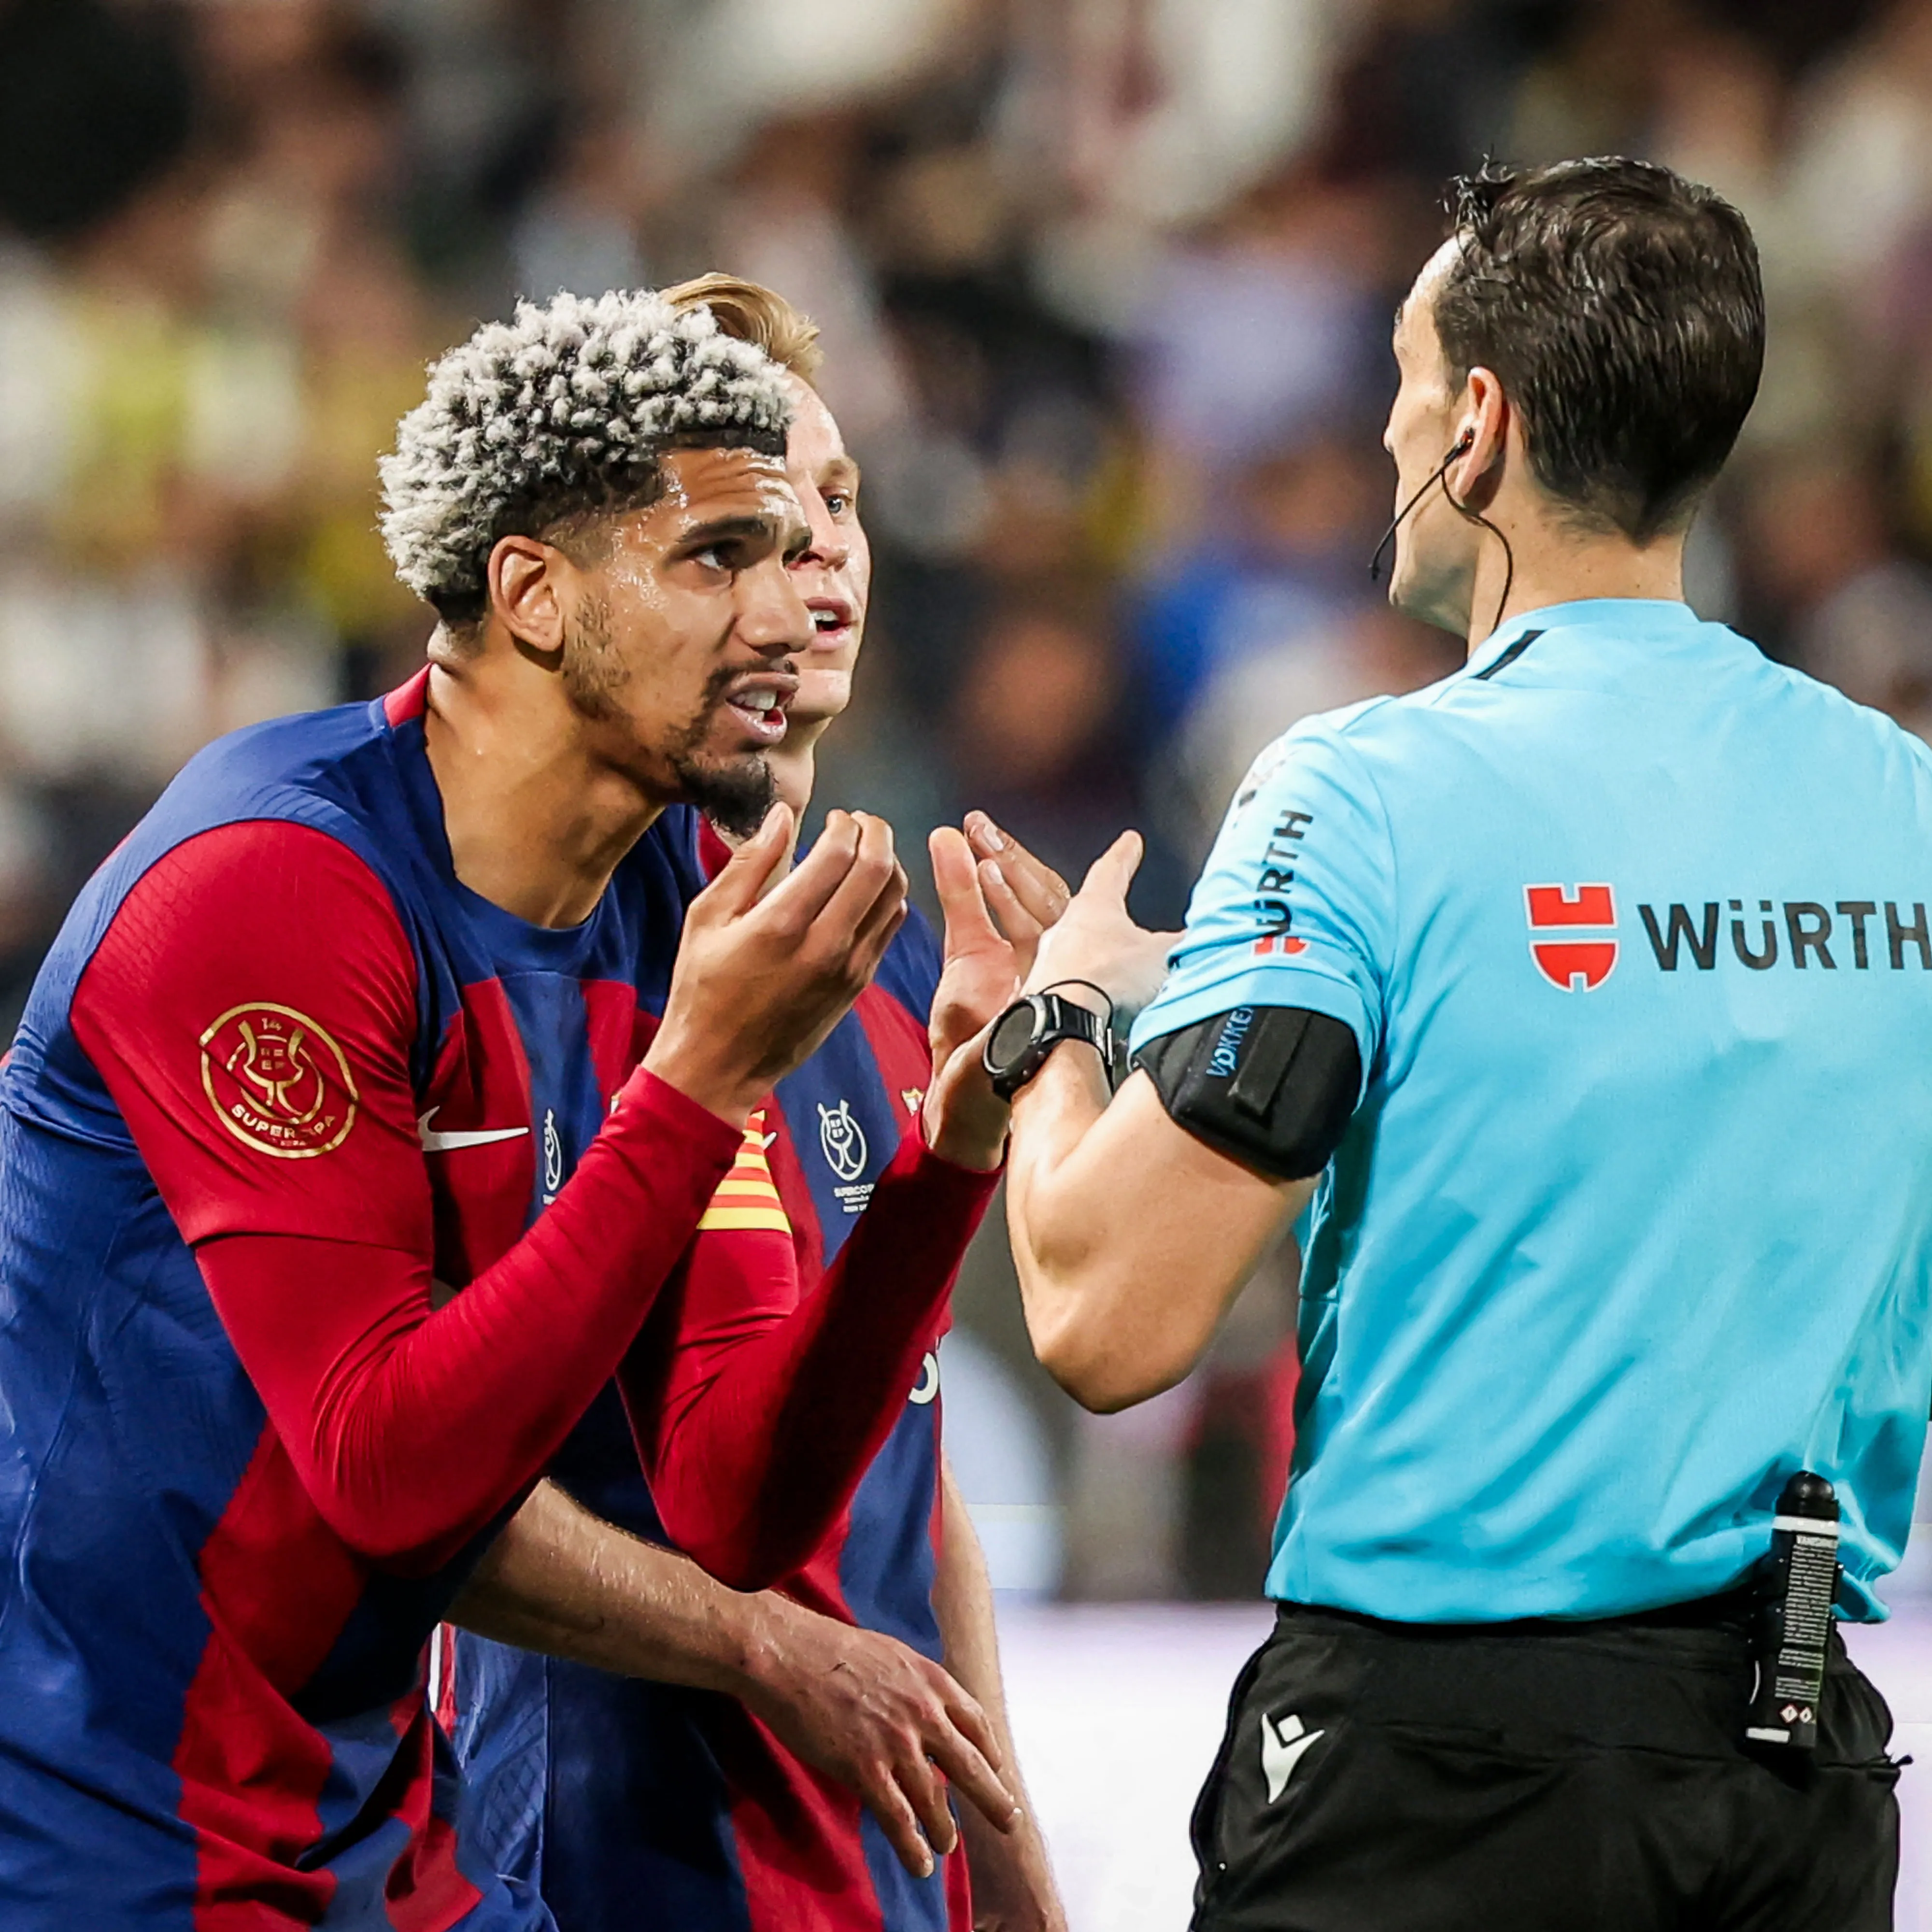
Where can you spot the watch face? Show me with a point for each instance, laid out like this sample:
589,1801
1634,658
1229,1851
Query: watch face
1013,1036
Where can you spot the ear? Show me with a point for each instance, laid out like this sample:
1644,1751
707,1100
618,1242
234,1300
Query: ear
529,593
1486,418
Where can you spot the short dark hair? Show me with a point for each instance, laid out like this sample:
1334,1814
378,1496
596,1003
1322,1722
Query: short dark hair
1622,307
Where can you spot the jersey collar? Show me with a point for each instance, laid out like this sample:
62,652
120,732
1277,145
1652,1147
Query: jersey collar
1624,615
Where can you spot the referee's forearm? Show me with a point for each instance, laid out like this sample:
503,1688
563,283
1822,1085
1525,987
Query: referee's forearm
1055,1213
1131,1237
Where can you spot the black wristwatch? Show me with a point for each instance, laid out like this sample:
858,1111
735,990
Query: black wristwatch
1029,1029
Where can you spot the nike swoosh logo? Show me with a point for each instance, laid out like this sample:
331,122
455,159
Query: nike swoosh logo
433,1142
1284,1743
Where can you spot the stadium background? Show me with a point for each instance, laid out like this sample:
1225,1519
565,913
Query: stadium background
1106,287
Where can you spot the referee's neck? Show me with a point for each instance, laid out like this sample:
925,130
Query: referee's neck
1557,563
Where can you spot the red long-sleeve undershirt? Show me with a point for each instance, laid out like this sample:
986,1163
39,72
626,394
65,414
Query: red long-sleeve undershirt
411,1429
748,1401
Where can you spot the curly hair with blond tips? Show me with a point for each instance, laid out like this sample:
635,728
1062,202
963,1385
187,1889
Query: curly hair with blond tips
560,414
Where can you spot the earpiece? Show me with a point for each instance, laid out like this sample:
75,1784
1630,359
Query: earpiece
1466,442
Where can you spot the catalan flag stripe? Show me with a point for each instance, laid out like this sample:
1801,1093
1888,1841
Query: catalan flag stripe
733,1218
745,1198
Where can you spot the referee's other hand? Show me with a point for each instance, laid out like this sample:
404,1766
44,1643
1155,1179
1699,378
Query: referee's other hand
1095,938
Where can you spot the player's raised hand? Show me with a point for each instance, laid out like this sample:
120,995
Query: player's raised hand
882,1719
1095,938
771,958
965,1120
1025,894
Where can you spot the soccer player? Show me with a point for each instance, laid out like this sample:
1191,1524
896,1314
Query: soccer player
662,1806
358,1118
1581,1002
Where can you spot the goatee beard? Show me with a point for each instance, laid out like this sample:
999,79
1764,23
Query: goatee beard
735,797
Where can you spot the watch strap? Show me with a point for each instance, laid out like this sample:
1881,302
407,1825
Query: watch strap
1056,1020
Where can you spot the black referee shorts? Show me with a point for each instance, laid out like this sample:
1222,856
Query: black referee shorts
1539,1777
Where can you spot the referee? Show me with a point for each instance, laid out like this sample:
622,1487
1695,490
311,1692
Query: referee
1582,1005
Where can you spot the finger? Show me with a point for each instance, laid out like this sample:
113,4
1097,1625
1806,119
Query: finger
806,894
971,1721
956,880
1110,875
887,1804
1044,892
871,873
966,1766
926,1790
755,866
887,915
1040,888
1019,926
963,1744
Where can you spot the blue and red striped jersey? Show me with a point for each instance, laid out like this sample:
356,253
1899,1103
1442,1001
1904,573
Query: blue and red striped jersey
212,1708
654,1808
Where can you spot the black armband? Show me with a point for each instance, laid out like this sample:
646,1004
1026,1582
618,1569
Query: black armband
1271,1086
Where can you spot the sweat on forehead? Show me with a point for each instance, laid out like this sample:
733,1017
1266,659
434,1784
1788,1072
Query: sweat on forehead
563,410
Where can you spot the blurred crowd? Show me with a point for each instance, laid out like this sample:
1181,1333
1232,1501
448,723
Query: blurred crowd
1105,288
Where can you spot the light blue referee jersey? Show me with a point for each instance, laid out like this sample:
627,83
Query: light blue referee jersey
1634,1217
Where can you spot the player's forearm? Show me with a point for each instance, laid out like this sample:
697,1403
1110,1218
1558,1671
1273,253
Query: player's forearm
412,1429
754,1451
962,1603
1130,1237
562,1582
1002,1863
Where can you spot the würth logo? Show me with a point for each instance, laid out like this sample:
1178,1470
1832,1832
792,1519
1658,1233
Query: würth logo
1871,929
1272,913
1585,916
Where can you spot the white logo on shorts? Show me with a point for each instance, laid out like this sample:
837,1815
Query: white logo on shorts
1284,1744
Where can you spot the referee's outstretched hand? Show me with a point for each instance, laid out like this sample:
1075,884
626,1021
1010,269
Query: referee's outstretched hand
772,956
1095,938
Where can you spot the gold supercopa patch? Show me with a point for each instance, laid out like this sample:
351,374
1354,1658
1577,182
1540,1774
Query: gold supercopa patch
277,1081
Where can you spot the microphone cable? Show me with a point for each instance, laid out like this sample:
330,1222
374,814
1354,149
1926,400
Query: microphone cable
1401,517
1440,476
